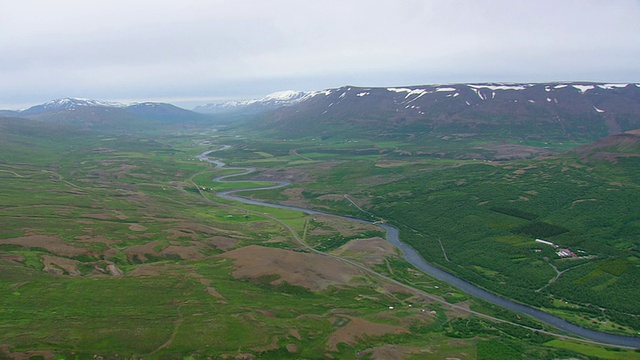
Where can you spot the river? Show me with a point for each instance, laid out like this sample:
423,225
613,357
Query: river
413,257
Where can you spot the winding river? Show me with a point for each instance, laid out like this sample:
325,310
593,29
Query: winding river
412,256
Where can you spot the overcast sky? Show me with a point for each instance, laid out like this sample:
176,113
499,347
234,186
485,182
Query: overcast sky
195,51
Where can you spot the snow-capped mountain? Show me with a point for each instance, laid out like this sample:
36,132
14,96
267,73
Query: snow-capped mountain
96,113
271,101
69,104
571,110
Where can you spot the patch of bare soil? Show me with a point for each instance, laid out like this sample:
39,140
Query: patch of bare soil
44,354
290,174
181,233
139,251
457,312
612,156
581,201
343,226
394,288
312,271
524,170
12,257
271,346
59,265
357,329
295,334
96,239
514,151
392,352
213,292
292,348
331,197
370,251
114,270
137,227
293,192
198,228
221,242
110,253
50,243
185,252
417,317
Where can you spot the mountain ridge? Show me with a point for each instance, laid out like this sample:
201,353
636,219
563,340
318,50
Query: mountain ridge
564,110
268,102
89,113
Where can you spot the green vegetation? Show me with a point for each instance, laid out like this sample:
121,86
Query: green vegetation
540,230
515,212
480,219
594,351
118,245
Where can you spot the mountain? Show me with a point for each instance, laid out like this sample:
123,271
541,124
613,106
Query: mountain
68,104
269,102
88,113
545,111
162,111
626,144
9,113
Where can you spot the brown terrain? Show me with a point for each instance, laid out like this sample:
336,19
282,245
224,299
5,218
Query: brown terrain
612,147
370,252
312,271
357,328
52,244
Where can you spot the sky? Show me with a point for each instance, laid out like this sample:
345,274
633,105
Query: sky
191,52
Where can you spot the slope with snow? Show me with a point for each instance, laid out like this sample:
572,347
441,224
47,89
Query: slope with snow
271,101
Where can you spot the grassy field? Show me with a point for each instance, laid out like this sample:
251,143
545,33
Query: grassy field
107,249
480,219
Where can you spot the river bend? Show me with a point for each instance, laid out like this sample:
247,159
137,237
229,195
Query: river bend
413,257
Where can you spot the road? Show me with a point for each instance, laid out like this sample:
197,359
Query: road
412,256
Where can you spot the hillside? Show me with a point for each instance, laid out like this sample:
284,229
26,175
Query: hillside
612,147
254,106
94,114
525,112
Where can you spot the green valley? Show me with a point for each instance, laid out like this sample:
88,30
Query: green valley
113,244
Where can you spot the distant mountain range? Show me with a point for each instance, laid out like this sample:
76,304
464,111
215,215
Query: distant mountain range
90,113
575,111
269,102
578,111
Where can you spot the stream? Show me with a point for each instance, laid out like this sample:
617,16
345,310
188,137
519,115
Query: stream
413,257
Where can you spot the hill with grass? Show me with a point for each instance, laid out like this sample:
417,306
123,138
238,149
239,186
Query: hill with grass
626,144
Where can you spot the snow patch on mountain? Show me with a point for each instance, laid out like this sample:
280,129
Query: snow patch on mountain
477,93
612,86
68,103
273,100
409,92
583,88
499,86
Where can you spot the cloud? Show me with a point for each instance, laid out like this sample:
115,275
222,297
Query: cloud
196,47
